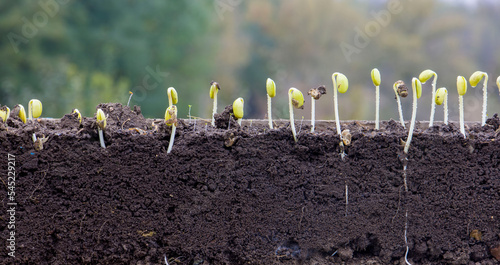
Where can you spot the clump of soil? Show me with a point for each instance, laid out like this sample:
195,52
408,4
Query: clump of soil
249,195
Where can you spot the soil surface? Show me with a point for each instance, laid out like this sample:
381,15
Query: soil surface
247,195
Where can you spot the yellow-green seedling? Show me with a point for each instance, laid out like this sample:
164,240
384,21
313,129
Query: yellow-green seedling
214,89
376,82
340,84
130,97
34,109
4,114
171,120
172,96
79,115
498,84
238,109
315,94
271,92
295,100
474,79
400,90
442,99
21,113
416,86
101,126
462,89
423,77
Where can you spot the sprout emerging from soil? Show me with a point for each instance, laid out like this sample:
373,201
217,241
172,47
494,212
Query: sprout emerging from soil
498,84
34,109
79,115
214,89
4,114
416,86
171,120
315,94
376,81
462,89
474,79
400,90
238,109
271,92
424,76
295,100
101,125
171,115
21,113
341,84
442,99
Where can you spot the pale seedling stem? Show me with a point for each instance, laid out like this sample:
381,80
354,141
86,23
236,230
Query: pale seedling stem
415,85
171,115
315,94
474,80
461,107
214,109
340,83
101,138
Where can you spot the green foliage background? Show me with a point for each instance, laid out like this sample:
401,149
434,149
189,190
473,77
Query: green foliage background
87,52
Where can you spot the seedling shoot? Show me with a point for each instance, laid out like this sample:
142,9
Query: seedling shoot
295,100
424,76
315,94
101,126
214,89
341,84
4,114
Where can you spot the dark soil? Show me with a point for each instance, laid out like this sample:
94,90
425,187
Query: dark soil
248,195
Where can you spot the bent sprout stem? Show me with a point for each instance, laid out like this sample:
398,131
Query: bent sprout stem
462,89
424,76
341,84
474,79
171,115
416,86
295,100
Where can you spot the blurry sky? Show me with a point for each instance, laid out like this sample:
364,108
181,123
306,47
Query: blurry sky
77,54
